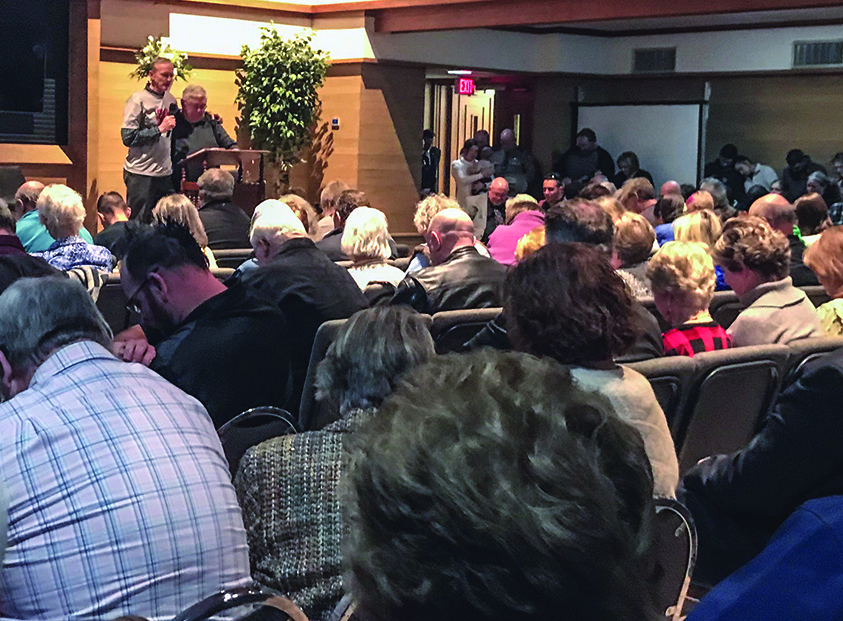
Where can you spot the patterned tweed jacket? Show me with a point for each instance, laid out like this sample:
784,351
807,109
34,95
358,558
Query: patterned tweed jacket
288,488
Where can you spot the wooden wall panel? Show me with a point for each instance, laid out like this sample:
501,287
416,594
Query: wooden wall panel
552,118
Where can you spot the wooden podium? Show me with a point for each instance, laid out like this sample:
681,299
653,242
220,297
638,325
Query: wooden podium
249,182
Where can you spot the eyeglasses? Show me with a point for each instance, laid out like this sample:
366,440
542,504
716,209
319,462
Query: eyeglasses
131,304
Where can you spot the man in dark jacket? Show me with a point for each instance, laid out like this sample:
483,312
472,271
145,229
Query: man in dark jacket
226,225
723,169
584,160
459,276
331,244
738,501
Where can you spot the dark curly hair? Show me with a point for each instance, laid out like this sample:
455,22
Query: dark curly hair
490,487
580,220
168,245
565,301
753,244
348,201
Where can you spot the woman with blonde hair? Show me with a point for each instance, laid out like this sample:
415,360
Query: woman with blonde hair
611,206
365,240
704,227
682,279
825,258
632,245
178,208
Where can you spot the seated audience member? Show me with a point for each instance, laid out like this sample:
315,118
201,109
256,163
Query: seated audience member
528,244
289,487
703,227
667,209
304,211
366,241
687,190
818,182
755,174
795,175
113,213
61,211
347,202
181,210
596,191
720,195
671,187
426,208
610,205
776,188
755,192
226,225
9,242
523,214
29,229
124,503
327,204
553,190
724,172
755,261
739,500
812,217
796,576
629,168
682,277
699,201
459,276
825,258
491,486
781,216
306,285
224,346
632,246
496,196
639,196
566,302
14,262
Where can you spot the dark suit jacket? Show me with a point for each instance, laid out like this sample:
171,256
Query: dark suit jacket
226,225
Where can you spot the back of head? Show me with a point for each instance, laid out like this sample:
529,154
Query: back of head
40,315
755,192
699,201
366,235
428,207
216,184
825,258
775,209
669,207
753,244
611,206
794,156
718,192
686,269
452,223
370,354
581,221
699,226
7,220
304,211
61,210
518,204
812,213
639,188
109,202
565,301
594,191
348,201
274,223
181,210
490,487
168,245
634,238
671,187
28,193
331,192
729,151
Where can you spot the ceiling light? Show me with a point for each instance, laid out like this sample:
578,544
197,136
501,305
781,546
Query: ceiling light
459,72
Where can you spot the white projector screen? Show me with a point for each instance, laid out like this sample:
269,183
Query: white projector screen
666,138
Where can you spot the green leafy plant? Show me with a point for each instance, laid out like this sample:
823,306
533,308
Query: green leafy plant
154,48
278,93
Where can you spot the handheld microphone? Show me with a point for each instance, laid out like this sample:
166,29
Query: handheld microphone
173,109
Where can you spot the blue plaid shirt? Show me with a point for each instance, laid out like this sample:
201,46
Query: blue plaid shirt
65,254
120,499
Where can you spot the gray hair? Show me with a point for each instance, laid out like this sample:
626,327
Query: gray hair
366,235
820,177
40,315
216,184
717,190
274,222
193,91
61,210
428,207
370,354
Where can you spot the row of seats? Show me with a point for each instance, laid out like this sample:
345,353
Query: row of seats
233,257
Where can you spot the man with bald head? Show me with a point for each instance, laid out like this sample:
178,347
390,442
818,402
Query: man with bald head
32,234
513,164
670,187
781,215
459,277
496,214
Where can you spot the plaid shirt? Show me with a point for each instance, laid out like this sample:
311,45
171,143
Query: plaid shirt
120,500
695,338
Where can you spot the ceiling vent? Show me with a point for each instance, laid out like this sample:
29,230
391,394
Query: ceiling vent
817,53
654,60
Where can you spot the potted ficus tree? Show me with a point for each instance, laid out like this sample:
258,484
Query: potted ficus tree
278,97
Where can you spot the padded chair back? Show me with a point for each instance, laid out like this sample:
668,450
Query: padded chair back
670,378
222,273
112,304
725,307
804,351
451,329
731,391
250,428
309,410
232,257
817,294
244,603
675,540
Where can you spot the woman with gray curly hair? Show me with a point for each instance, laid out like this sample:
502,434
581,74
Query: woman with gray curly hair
289,486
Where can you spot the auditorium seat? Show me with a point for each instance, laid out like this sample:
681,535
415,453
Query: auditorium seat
670,378
451,329
313,415
817,294
112,304
232,257
731,391
675,543
650,305
725,307
250,428
806,350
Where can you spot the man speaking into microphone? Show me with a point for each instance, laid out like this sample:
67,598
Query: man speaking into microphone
148,122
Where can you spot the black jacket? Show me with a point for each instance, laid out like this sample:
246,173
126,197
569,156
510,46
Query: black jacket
466,279
801,274
226,225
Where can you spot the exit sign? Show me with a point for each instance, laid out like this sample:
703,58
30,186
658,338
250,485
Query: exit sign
465,86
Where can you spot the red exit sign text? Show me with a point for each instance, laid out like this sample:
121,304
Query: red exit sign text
465,86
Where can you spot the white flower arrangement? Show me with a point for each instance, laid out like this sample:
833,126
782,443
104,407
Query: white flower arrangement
157,47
